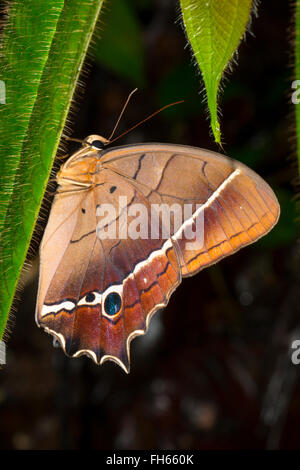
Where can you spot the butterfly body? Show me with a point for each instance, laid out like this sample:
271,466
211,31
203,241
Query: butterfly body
103,272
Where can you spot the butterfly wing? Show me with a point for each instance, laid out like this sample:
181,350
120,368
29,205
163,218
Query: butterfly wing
97,291
235,206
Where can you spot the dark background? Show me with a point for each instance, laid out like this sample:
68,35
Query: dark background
214,370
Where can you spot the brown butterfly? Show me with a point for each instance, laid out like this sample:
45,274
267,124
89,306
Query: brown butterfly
96,293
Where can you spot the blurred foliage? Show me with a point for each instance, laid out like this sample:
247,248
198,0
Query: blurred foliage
120,45
184,74
297,73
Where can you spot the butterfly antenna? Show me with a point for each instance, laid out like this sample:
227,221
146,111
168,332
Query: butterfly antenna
121,114
146,119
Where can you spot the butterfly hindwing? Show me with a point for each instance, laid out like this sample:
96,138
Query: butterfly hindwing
95,273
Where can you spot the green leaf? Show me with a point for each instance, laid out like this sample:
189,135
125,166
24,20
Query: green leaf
214,29
120,48
43,48
297,82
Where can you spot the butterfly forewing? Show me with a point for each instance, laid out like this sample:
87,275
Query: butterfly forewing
235,205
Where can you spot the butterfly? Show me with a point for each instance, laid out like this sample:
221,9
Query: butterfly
98,286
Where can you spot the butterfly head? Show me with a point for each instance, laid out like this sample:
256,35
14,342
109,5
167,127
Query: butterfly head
96,142
81,167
